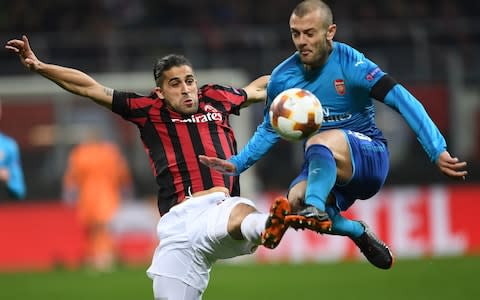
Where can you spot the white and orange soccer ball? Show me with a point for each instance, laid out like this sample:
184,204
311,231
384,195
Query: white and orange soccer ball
296,114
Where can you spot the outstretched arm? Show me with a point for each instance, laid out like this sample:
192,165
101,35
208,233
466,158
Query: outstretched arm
427,132
262,141
69,79
256,90
221,165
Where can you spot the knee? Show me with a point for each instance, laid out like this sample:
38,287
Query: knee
334,140
324,138
239,212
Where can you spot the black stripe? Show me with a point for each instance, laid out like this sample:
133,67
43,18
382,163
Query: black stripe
166,196
236,186
382,87
176,148
218,148
198,148
232,144
140,112
230,99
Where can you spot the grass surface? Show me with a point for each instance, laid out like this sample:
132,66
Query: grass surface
446,278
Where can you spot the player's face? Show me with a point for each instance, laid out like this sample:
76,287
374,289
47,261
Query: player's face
312,38
179,90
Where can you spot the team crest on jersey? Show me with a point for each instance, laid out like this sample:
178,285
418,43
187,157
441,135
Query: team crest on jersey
209,108
340,86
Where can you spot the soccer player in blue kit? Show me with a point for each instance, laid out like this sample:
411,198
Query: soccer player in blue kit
348,158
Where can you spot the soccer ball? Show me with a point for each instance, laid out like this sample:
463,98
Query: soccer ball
296,114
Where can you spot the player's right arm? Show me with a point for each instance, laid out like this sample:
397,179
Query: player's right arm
256,90
69,79
264,137
259,144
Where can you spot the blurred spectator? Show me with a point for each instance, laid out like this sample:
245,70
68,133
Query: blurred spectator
11,173
96,179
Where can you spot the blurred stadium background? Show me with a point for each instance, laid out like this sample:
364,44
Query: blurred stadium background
430,46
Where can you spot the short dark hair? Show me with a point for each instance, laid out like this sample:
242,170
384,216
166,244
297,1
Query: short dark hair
308,6
166,63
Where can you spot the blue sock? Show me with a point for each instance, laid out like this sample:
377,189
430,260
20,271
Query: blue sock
322,174
342,225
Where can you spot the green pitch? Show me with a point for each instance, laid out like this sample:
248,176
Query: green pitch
446,278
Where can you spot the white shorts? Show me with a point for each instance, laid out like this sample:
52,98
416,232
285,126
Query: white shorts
193,235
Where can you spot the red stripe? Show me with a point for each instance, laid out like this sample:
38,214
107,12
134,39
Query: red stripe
227,94
190,156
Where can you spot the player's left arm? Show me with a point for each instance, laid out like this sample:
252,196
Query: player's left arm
256,90
71,80
388,91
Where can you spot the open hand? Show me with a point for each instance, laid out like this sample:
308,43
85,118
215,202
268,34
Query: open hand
4,175
25,53
452,166
221,165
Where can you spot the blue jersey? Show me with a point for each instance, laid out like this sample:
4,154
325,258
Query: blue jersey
10,160
343,86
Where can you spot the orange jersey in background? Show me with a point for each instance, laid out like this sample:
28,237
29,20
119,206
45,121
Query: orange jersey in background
98,172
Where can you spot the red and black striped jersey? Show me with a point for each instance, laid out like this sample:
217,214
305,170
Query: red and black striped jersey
174,141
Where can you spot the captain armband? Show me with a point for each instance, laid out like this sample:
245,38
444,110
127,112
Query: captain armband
382,87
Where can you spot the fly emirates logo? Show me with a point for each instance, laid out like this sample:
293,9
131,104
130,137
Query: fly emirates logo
201,118
334,118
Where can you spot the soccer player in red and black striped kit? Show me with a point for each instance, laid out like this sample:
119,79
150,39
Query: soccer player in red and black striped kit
203,219
175,137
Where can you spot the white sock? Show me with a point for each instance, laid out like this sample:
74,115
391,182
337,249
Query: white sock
253,225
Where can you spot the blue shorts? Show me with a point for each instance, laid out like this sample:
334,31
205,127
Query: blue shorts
370,161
